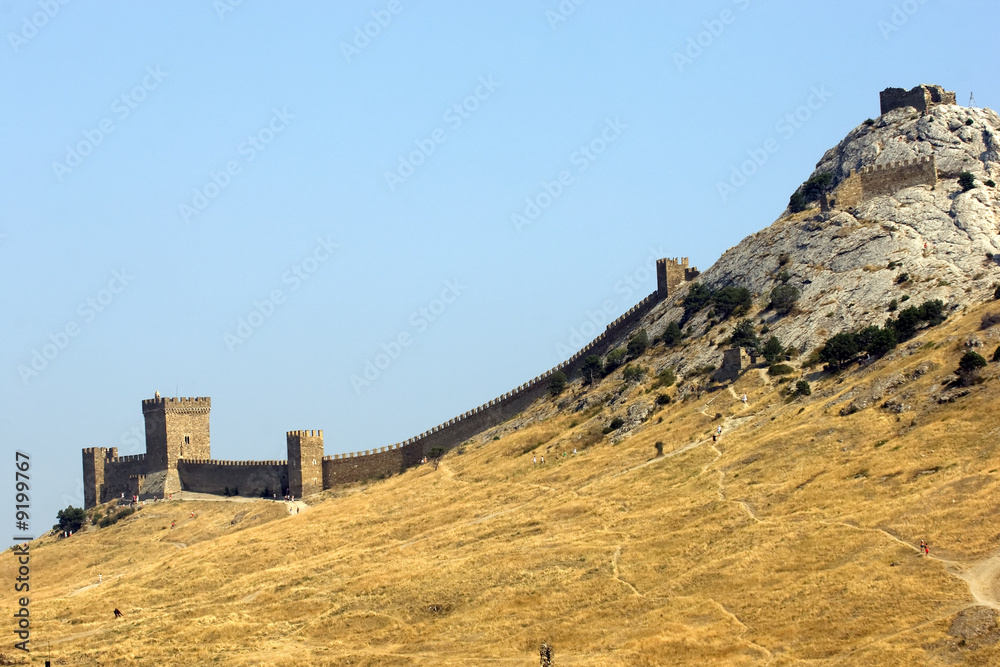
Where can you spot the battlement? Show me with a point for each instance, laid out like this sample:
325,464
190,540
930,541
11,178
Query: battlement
177,403
921,98
884,179
307,434
232,464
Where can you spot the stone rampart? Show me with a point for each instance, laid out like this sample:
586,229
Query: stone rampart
117,471
883,179
251,478
921,98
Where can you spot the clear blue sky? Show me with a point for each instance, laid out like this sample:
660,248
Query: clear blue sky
170,167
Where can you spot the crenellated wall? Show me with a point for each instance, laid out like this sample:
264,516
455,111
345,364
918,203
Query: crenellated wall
884,179
173,422
252,478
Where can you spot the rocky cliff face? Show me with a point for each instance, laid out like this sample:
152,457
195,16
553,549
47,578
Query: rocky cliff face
942,238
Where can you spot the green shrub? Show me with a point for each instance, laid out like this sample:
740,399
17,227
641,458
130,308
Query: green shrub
796,202
665,378
839,349
968,121
615,358
783,276
773,350
902,278
744,336
869,122
802,388
817,185
70,519
659,448
967,181
969,365
996,292
996,354
876,341
593,368
783,298
990,183
698,296
663,399
557,383
893,305
672,334
780,369
638,343
732,301
633,373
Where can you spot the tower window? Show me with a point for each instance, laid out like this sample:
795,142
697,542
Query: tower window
187,439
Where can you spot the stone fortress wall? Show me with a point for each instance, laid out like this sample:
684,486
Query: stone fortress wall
179,452
884,179
920,97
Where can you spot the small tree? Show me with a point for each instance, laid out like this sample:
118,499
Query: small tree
698,296
796,202
633,373
671,335
996,354
773,350
659,448
435,455
839,349
968,367
666,378
70,519
732,301
783,298
966,180
593,368
557,384
638,343
745,336
802,388
615,358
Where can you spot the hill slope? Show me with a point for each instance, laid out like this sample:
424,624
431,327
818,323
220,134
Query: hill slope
790,539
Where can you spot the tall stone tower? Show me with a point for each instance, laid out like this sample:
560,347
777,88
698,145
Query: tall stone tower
176,428
305,462
93,475
672,272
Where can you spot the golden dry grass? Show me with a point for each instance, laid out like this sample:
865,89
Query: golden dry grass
790,541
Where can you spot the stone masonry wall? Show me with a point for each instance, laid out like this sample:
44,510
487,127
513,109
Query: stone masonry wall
920,97
885,179
252,478
117,471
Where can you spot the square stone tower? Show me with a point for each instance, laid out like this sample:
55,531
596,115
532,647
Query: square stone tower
176,428
305,462
670,273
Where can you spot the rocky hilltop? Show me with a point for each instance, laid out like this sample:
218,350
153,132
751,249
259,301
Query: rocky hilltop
931,240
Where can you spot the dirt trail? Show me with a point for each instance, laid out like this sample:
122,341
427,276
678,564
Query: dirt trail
617,575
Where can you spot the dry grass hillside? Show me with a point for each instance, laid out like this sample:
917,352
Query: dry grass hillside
790,541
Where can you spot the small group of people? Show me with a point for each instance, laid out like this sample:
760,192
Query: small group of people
534,459
926,550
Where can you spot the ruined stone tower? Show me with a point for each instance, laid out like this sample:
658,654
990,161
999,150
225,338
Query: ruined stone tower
176,428
672,272
305,462
921,97
93,474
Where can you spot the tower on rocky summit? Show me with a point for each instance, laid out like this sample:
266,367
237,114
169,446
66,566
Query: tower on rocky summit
305,462
921,97
176,428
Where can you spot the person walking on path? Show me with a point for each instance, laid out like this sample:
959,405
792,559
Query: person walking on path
926,549
543,459
534,460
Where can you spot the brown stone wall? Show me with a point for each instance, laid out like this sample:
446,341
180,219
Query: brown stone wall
920,98
670,273
380,463
885,179
117,470
252,478
305,462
